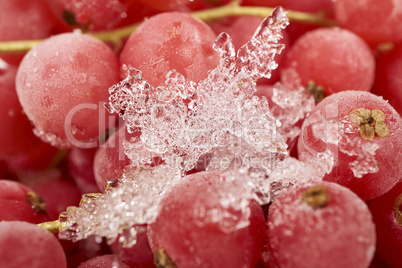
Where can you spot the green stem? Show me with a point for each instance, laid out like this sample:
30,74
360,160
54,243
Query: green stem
232,9
51,226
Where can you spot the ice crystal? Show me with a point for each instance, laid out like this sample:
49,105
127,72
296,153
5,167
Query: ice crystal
268,174
134,202
343,133
245,161
353,145
184,120
291,171
51,138
291,106
233,193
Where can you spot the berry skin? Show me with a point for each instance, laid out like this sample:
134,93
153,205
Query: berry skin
62,84
386,158
110,160
187,233
107,261
89,14
320,225
373,20
170,41
388,81
335,59
387,216
21,203
28,245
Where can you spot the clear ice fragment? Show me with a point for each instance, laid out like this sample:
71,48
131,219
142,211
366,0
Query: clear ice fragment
338,132
184,120
122,209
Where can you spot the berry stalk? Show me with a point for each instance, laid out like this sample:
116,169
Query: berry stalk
51,226
232,9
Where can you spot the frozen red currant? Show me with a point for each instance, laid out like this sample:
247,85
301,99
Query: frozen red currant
387,216
364,134
320,224
198,225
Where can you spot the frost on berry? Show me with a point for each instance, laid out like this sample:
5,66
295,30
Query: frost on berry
338,131
184,120
290,107
133,202
292,171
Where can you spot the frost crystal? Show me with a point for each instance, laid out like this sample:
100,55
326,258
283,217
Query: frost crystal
234,194
184,120
338,132
269,172
291,106
292,171
121,210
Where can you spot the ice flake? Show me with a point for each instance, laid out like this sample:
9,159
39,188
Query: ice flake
344,133
291,106
268,174
246,161
292,171
122,209
51,138
234,194
364,152
184,120
134,201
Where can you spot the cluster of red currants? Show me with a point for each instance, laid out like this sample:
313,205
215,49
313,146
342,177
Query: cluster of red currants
59,141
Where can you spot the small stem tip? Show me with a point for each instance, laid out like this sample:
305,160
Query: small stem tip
51,226
316,196
162,260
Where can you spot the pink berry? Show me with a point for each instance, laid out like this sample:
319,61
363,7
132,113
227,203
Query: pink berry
190,228
62,84
387,216
333,58
373,20
110,160
28,245
170,41
320,225
367,153
388,77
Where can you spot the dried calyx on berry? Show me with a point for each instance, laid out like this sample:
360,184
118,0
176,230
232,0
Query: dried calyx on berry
316,196
162,260
316,90
398,210
370,123
36,202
